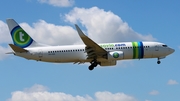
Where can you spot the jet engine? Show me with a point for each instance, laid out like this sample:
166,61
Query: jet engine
115,55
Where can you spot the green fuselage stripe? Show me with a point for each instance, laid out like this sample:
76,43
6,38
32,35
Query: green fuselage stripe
135,50
138,50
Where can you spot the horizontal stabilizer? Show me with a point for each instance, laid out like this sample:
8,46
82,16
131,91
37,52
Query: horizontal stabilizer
17,49
10,53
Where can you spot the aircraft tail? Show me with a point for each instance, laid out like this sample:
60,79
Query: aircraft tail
19,36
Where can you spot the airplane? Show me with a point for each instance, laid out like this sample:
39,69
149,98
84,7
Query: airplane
104,54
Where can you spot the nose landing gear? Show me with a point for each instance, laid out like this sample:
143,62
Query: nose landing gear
158,62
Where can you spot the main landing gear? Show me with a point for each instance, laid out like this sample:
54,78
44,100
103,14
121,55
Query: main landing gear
94,63
158,62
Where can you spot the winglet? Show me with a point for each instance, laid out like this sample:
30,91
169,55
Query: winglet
17,49
87,41
81,34
90,44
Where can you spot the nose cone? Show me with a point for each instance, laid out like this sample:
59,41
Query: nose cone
171,50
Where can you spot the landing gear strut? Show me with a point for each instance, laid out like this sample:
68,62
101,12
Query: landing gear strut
158,62
94,63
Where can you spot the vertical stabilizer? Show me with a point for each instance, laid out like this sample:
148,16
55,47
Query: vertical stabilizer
19,36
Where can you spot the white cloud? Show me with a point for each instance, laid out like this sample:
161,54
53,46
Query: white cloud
4,33
154,92
108,96
172,82
36,88
51,34
5,38
179,47
3,51
104,26
58,3
44,95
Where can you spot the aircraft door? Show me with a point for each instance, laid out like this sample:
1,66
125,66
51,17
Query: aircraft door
156,48
157,51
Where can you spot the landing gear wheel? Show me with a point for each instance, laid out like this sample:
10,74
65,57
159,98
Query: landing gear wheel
158,62
94,63
91,67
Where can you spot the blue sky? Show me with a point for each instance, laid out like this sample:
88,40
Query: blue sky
52,22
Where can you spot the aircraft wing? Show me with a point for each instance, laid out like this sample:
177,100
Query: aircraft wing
93,49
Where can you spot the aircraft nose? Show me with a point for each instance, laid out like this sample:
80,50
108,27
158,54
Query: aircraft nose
171,50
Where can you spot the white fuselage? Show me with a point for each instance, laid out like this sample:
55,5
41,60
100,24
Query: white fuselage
105,54
77,53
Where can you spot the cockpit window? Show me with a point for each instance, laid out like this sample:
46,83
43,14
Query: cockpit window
164,45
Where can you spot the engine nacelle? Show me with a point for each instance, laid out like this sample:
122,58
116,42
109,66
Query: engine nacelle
115,55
